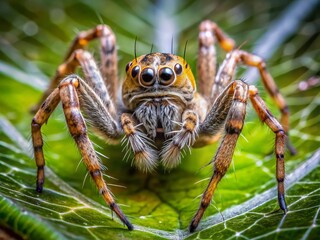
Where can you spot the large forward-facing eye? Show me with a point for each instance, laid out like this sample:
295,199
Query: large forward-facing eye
147,77
166,76
135,71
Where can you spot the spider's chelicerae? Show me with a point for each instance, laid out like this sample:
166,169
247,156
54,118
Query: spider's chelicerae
161,112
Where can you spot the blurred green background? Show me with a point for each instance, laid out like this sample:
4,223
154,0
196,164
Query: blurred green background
35,36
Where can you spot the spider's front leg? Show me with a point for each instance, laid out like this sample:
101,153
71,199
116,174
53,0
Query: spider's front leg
145,156
185,137
209,33
68,91
229,111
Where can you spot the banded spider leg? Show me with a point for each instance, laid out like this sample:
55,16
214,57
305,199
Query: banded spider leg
93,97
211,84
229,112
72,91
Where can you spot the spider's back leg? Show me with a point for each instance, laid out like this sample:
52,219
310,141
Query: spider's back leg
209,33
108,60
108,52
227,72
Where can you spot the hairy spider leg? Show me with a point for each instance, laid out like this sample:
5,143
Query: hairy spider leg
227,71
145,155
233,100
266,117
185,137
109,60
235,97
95,81
93,76
209,32
69,89
38,120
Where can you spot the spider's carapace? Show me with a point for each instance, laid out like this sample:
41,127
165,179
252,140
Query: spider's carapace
158,87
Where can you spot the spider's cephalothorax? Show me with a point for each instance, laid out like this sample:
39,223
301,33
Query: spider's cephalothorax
160,91
161,112
158,87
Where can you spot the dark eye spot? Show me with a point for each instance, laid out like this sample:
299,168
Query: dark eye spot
128,65
166,76
135,71
147,76
178,68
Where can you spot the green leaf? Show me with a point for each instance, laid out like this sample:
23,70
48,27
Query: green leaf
249,221
35,37
25,224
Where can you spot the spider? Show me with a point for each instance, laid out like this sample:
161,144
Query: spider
160,112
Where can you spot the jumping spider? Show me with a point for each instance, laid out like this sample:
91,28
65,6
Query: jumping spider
161,112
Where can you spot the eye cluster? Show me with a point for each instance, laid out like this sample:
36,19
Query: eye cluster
148,76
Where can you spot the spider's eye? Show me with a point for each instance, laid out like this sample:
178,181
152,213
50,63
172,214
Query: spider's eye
178,68
135,71
166,76
147,76
128,65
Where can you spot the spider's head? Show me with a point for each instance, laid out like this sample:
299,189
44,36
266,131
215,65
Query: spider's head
157,75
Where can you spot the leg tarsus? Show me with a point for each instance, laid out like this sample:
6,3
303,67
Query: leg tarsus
114,207
282,203
40,179
39,187
193,225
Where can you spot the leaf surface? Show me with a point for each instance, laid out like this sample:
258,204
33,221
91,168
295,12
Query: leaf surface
159,205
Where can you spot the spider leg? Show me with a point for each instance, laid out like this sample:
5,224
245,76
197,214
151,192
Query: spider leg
185,137
266,116
108,59
209,32
227,70
92,74
232,117
145,157
38,120
70,90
